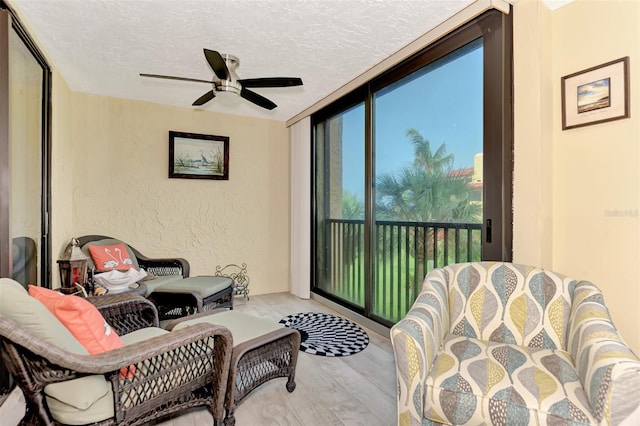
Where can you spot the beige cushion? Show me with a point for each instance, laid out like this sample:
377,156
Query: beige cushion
161,280
205,286
88,400
142,334
101,409
34,317
79,393
243,327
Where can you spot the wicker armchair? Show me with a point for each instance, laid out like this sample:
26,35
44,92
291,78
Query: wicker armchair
171,372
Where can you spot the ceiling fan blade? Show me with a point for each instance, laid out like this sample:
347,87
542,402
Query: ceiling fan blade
204,98
169,77
217,64
257,99
271,82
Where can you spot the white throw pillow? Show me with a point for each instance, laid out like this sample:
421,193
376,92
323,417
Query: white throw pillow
116,281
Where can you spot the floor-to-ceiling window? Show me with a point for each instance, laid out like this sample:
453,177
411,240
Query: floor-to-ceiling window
412,171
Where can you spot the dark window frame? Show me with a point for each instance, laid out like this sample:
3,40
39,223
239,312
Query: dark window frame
9,21
496,30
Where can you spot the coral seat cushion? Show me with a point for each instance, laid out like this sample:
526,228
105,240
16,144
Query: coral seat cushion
108,258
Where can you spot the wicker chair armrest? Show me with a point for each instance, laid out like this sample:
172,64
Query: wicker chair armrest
155,347
110,361
240,350
126,312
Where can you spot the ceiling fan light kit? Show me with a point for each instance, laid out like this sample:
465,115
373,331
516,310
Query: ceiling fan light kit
224,68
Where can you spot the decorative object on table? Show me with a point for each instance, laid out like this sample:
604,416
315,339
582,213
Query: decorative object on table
197,156
596,95
73,269
239,276
326,334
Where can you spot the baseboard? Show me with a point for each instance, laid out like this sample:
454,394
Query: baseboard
380,329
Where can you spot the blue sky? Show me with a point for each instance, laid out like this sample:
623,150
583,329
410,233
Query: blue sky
443,103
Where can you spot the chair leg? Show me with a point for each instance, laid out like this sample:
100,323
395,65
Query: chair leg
230,418
291,385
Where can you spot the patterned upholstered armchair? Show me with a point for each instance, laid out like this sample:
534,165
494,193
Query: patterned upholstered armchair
501,343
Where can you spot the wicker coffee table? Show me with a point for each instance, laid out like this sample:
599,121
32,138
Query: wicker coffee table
262,350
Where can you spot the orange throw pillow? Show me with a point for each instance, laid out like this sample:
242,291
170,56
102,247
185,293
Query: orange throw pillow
108,258
83,320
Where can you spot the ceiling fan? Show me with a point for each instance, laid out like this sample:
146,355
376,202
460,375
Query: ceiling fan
224,67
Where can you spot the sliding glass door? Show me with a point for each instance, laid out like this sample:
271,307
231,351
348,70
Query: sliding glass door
428,144
24,149
340,189
400,182
25,248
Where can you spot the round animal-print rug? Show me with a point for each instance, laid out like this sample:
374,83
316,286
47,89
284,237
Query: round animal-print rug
327,335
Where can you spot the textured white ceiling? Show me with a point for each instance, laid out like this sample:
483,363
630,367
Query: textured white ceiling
100,46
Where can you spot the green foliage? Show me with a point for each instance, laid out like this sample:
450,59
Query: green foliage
352,206
426,191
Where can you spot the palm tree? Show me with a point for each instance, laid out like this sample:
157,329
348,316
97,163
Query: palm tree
426,191
432,163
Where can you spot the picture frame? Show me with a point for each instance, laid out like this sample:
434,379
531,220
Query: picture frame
198,156
596,95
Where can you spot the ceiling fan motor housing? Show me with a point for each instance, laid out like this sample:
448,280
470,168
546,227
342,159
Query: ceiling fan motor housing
231,84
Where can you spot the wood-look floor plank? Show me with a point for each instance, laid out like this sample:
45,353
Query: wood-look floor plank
344,391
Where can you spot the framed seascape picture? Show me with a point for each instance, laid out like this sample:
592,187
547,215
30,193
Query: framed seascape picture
596,95
196,156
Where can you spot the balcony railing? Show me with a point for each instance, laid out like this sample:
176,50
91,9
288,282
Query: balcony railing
403,253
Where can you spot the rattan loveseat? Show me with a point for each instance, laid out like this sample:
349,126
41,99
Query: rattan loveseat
156,374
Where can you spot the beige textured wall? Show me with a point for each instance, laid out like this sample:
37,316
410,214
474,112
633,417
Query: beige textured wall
532,174
120,187
568,183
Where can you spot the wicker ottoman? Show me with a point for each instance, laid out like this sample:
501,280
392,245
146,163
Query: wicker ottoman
262,350
191,295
